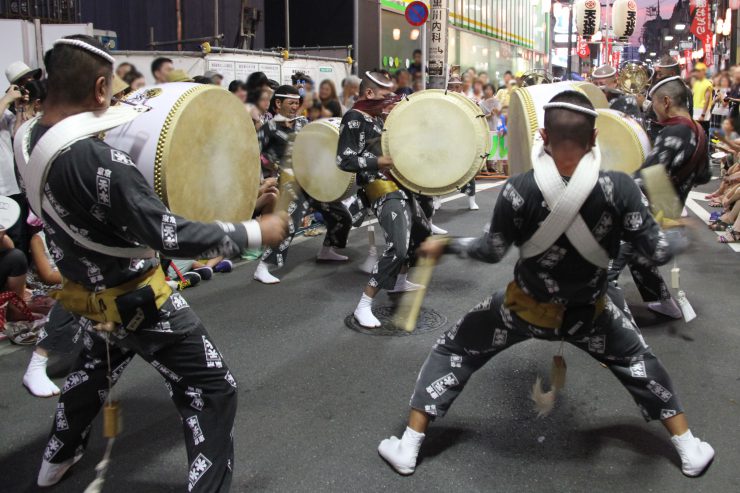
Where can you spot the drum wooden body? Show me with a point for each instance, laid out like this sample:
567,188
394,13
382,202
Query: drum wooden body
526,116
624,143
197,147
438,141
314,162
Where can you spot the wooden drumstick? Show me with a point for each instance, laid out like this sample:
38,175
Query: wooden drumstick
410,304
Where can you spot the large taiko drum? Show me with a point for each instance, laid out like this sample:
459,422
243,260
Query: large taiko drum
197,147
527,115
314,162
438,141
624,143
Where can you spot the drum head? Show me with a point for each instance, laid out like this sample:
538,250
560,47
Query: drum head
595,95
526,116
314,162
208,157
623,142
437,141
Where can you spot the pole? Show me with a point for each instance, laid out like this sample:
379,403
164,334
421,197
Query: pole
215,19
424,55
356,38
569,65
287,24
178,8
437,46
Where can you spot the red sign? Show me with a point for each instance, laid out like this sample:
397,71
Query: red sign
417,13
583,49
700,25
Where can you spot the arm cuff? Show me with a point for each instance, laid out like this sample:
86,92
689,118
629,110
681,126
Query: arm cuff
254,234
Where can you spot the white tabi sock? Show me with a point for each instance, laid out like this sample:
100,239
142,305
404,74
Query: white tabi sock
472,204
329,254
262,274
403,285
50,474
372,258
36,380
364,313
696,456
668,307
436,230
401,454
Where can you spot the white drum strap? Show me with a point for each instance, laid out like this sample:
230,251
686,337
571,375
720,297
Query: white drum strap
35,169
565,202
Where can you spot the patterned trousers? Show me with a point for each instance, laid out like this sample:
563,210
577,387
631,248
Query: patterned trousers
405,227
337,218
195,374
469,188
491,328
647,277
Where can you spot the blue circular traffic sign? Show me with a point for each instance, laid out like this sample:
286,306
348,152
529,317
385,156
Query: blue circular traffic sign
417,13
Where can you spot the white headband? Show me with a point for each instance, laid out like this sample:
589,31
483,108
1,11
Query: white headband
381,84
662,83
87,47
288,96
571,107
674,63
611,73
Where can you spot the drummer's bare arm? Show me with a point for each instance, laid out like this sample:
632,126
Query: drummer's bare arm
136,209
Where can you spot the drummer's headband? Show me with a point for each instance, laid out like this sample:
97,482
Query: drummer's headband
662,83
674,63
611,73
387,85
288,96
571,107
87,47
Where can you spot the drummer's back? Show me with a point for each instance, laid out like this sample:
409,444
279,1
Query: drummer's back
79,189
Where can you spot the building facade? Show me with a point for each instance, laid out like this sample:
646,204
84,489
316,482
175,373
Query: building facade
491,36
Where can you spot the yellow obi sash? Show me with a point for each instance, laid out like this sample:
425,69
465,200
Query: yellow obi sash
101,307
379,188
542,315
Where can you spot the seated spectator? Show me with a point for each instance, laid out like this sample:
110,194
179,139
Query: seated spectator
315,112
135,80
239,89
161,68
258,105
257,81
124,68
190,272
13,265
215,78
331,109
403,82
350,92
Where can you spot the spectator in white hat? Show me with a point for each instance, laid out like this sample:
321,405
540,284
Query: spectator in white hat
19,73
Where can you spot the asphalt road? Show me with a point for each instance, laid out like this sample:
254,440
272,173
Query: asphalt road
316,398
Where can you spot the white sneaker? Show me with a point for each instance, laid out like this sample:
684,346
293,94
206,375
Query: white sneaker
436,230
401,454
696,456
262,274
36,380
668,307
329,254
472,205
50,474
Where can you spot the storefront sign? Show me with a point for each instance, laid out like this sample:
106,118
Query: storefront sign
583,49
437,45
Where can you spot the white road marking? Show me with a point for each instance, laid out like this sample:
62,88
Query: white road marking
703,214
